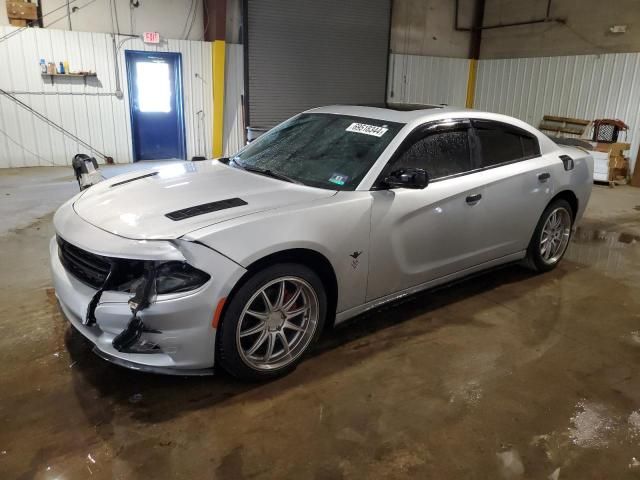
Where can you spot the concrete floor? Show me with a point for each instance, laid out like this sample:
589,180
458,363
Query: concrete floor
506,375
31,193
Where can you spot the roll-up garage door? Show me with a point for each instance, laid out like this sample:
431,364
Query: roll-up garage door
309,53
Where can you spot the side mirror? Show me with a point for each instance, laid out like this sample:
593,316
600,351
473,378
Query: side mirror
407,178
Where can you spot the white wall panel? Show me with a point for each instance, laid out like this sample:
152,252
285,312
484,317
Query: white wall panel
233,138
91,111
585,86
427,80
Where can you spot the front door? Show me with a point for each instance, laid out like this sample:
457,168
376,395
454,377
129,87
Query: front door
155,102
422,235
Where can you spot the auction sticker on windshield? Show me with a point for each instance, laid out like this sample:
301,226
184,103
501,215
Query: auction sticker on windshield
367,129
339,179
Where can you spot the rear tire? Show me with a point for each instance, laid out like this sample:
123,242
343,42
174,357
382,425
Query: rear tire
551,237
271,322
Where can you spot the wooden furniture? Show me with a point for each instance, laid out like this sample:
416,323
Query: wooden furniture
561,126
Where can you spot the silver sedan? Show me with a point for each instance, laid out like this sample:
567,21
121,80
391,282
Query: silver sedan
241,262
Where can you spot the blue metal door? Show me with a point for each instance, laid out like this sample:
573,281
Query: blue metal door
155,103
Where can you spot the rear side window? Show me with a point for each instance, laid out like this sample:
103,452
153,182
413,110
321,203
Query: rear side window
530,146
501,143
440,153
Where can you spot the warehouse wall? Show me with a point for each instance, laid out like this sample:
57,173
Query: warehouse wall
4,20
580,86
168,17
427,80
425,27
585,86
233,135
91,112
585,29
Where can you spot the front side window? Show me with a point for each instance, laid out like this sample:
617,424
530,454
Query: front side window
322,150
441,153
500,143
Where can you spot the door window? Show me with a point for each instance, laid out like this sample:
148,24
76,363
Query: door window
501,143
441,153
153,84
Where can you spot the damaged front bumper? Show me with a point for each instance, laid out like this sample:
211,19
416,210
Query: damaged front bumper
173,333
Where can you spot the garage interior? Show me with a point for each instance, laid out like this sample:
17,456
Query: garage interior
506,374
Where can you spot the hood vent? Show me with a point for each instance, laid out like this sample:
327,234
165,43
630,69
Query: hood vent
205,208
133,179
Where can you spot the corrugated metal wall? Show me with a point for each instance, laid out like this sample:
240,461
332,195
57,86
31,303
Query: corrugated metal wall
233,137
427,80
91,112
585,86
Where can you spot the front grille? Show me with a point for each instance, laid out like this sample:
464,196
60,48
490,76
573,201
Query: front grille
87,267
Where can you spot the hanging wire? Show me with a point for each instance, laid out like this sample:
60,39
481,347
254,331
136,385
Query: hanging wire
115,14
193,20
186,22
51,123
76,9
206,12
32,22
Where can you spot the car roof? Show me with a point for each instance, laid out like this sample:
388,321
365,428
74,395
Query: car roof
425,113
400,114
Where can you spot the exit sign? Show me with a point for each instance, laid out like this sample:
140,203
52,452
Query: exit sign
151,37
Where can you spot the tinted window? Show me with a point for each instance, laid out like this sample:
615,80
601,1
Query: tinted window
530,146
319,149
502,144
441,154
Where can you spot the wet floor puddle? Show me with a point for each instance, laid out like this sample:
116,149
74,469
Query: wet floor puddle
586,235
608,251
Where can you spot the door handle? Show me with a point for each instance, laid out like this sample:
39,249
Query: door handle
473,199
543,177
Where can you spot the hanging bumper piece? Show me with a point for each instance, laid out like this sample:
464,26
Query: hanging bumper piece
129,340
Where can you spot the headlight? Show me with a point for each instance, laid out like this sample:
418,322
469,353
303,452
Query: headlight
171,277
175,277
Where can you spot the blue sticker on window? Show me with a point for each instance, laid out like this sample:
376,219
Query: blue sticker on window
339,179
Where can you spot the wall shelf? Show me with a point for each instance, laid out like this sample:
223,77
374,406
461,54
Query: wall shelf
69,75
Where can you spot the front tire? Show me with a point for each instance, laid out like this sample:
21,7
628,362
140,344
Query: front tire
271,322
551,237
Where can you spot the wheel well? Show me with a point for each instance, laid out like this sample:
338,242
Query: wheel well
309,258
571,198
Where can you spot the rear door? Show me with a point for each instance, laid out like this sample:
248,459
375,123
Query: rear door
517,186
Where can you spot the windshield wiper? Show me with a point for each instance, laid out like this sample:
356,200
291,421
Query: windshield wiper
266,172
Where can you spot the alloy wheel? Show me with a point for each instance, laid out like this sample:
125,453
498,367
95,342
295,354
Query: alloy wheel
555,234
277,323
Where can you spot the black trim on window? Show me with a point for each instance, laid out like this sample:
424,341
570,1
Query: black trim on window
494,124
420,132
474,145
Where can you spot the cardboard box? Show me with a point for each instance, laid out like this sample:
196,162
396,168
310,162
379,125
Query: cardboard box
618,161
21,10
613,148
618,174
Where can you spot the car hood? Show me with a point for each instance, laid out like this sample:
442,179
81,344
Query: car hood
136,205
